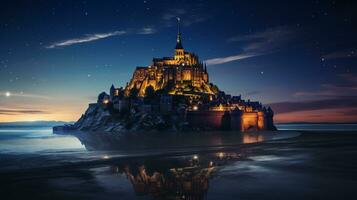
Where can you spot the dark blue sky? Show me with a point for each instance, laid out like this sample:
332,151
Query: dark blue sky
297,56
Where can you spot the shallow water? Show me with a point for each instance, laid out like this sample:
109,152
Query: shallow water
317,127
36,164
35,139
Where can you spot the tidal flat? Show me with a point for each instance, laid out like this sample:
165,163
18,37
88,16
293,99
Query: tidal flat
311,165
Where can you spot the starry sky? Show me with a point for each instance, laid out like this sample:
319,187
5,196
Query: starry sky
299,57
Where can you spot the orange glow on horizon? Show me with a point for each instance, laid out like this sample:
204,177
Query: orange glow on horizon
325,115
71,115
17,109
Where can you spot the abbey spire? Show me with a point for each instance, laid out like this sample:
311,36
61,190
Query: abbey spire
178,40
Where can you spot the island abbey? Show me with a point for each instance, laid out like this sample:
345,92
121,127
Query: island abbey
175,93
183,71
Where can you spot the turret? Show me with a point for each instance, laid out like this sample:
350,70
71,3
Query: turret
112,91
205,74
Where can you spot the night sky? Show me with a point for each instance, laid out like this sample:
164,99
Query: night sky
299,57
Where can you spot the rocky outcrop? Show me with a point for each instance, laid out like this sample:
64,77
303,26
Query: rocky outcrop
100,119
97,118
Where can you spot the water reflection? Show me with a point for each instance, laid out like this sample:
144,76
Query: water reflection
100,141
183,177
173,166
252,138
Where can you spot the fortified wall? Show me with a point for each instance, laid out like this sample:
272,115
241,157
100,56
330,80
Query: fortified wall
230,120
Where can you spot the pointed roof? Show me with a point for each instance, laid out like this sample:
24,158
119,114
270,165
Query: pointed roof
178,40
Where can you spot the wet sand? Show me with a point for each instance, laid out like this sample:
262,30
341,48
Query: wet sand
314,165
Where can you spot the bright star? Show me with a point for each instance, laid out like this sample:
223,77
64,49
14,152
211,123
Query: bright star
7,94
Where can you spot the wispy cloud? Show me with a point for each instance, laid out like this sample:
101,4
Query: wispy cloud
343,54
171,14
20,112
257,44
188,15
332,103
84,39
349,77
269,39
147,31
330,90
216,61
348,87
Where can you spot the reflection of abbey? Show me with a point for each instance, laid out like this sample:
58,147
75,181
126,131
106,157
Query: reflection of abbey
180,178
174,93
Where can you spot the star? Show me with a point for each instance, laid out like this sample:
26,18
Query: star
261,72
7,94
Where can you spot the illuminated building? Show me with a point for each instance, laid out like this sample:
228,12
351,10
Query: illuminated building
181,74
179,87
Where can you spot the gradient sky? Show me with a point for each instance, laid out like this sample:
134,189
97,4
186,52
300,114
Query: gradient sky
297,56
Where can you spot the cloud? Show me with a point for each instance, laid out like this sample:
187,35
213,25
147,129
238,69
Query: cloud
348,88
263,41
86,38
352,111
189,16
26,95
257,44
340,55
216,61
146,31
330,90
332,103
20,112
173,13
349,77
